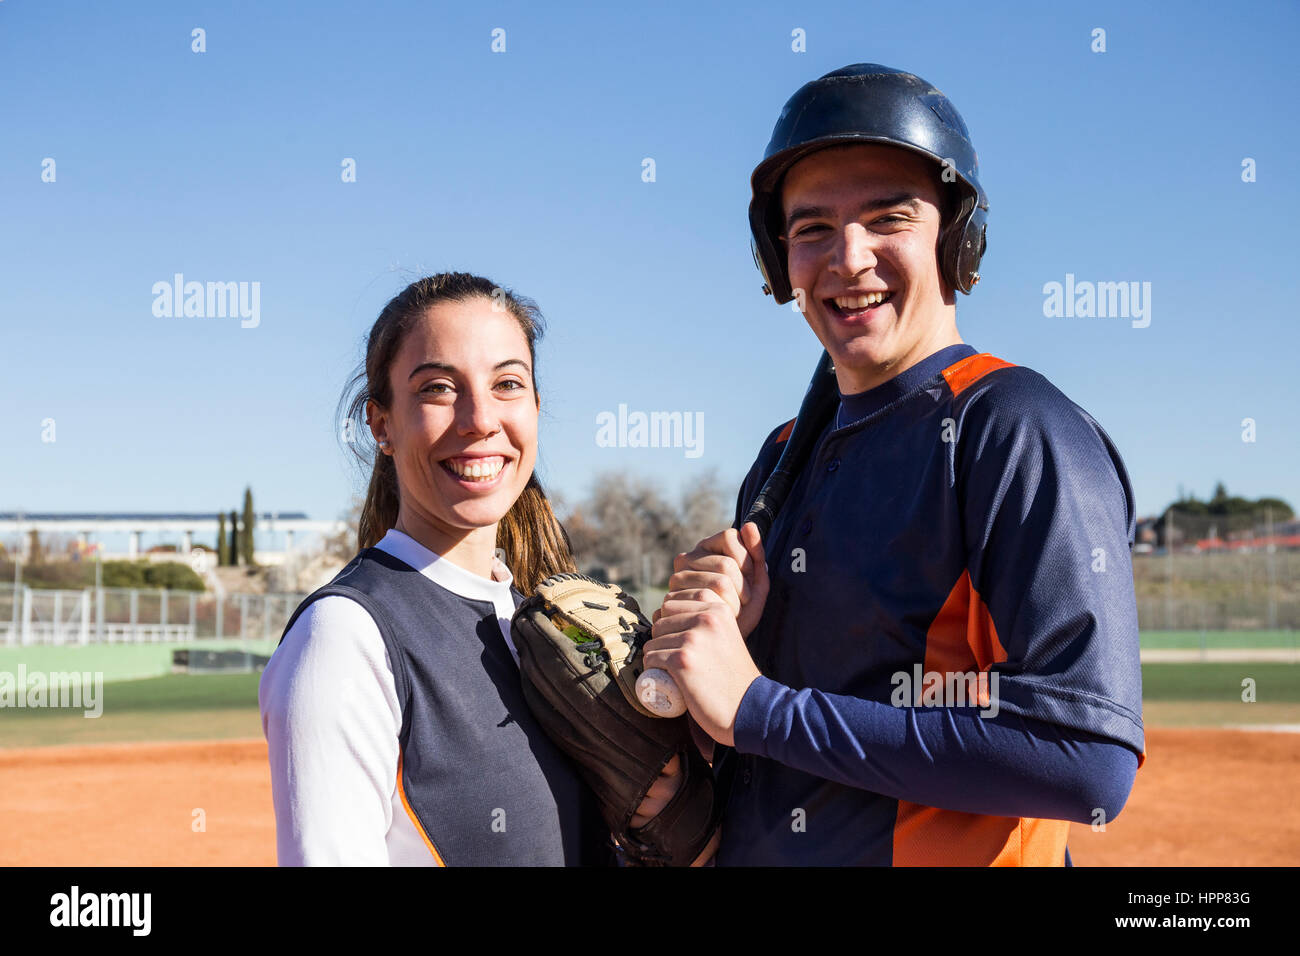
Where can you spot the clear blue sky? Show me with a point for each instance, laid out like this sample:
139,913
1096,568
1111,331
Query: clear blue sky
525,166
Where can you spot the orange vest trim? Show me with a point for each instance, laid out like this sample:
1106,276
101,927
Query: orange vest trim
401,791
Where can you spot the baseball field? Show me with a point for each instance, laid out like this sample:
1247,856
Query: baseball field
174,773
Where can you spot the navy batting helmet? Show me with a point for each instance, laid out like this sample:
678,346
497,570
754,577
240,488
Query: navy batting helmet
870,103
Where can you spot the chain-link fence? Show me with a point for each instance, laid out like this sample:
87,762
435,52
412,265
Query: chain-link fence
1247,599
1243,614
1248,591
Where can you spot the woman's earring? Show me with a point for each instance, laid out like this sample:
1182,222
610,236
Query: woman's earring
383,444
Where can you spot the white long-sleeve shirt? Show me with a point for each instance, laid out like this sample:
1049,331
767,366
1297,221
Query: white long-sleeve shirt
331,718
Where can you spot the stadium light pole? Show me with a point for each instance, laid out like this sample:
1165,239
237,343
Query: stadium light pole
99,593
1169,565
18,582
1270,549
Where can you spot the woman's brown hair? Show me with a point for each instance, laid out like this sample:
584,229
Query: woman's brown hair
534,542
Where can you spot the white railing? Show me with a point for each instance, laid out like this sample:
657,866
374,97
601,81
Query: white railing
137,615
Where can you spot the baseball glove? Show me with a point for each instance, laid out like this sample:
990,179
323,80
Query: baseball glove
579,643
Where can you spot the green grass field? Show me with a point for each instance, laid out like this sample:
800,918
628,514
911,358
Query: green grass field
223,706
1210,694
174,707
119,662
1193,640
1220,683
115,661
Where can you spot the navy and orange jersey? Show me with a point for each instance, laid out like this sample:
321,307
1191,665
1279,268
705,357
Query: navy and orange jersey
962,525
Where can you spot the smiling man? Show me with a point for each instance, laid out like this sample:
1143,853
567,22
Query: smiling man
861,223
960,532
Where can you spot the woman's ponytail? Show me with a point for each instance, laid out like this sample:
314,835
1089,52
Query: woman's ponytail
379,512
534,543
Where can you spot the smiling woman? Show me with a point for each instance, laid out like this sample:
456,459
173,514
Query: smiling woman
396,723
449,394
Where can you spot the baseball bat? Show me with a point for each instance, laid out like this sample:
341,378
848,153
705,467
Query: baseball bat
819,403
656,687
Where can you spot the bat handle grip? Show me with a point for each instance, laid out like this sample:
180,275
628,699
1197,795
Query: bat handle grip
765,506
659,693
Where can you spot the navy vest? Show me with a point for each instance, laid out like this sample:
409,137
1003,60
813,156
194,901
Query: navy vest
482,780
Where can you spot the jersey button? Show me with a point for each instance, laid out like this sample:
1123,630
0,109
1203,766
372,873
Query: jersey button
806,526
832,464
745,776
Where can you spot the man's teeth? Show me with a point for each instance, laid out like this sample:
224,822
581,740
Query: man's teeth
851,302
476,471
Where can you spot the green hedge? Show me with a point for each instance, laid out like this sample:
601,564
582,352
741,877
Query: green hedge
173,575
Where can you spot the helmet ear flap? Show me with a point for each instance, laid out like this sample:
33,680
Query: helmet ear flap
963,244
762,267
769,254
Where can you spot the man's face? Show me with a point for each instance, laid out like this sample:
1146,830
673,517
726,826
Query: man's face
860,221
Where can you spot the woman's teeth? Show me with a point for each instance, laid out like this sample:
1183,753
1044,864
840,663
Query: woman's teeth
482,470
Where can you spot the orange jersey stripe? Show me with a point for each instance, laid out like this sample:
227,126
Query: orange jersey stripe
926,836
962,636
961,375
963,640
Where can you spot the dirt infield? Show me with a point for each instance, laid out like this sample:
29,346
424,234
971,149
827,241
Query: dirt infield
134,805
1203,798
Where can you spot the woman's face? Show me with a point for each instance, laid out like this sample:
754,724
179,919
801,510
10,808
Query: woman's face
462,425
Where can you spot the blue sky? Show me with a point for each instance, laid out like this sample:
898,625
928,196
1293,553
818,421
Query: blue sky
525,166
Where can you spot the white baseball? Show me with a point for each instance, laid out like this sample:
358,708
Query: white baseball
657,690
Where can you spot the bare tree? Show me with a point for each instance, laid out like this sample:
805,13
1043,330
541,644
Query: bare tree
706,509
584,536
628,528
344,544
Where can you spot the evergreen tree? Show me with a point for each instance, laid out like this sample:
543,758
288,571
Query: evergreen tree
234,539
249,520
1281,510
1237,513
223,549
